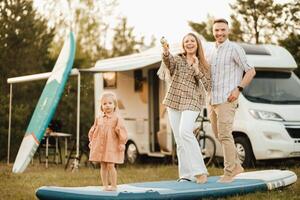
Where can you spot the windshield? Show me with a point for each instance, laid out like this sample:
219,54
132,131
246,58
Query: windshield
274,88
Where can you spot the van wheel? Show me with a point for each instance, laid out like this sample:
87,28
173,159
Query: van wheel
244,151
131,153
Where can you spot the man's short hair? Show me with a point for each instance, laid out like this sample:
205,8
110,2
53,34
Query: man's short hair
220,20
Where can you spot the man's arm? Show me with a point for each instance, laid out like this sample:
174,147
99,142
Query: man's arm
249,75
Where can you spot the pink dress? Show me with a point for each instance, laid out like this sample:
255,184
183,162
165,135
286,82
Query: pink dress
107,137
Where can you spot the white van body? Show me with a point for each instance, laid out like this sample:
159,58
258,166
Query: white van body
263,129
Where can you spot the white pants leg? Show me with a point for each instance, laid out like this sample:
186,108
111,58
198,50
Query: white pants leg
190,160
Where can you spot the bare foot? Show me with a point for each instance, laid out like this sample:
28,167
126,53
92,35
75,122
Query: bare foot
105,188
200,179
237,170
226,179
112,188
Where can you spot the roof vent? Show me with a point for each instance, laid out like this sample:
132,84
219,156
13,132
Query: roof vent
252,49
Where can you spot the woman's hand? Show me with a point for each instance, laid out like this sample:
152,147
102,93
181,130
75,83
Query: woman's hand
165,46
196,64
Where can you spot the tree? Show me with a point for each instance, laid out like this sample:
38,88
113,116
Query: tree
90,22
204,28
124,41
258,19
289,21
292,44
24,46
236,34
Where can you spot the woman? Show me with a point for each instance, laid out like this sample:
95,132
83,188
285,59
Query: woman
185,98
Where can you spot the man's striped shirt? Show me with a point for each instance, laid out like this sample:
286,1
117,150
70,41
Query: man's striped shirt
228,62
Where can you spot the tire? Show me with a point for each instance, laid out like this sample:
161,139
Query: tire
244,151
131,153
208,149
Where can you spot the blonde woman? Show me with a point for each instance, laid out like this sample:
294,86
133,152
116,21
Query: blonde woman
184,100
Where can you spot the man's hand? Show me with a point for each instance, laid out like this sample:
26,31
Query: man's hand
234,95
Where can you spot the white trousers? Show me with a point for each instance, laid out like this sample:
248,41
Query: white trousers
190,160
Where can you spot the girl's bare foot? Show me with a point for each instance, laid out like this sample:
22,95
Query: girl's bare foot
112,188
200,179
105,188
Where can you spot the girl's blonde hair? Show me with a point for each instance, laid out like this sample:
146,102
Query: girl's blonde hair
109,94
199,52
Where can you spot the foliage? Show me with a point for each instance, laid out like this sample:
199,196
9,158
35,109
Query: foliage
124,41
88,19
259,19
204,28
236,34
292,44
24,47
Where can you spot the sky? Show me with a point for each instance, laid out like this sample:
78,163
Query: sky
169,18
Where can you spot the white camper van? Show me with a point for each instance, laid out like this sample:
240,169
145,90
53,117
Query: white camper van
267,123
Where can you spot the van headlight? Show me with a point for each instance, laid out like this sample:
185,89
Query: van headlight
265,115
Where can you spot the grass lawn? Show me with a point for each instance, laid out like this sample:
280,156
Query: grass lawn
23,186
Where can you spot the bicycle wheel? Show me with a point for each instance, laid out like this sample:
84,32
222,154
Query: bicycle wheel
208,148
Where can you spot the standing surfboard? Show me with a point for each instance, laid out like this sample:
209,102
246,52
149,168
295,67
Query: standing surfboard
46,105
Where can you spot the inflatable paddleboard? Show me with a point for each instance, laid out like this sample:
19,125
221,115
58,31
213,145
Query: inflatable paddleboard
247,182
46,105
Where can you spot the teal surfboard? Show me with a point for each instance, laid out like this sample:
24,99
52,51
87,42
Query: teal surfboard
46,105
244,183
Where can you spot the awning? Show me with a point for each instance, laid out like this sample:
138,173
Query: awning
133,61
34,77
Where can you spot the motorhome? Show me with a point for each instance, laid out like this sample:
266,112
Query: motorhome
267,122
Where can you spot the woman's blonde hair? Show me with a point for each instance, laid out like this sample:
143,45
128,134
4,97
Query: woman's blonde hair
199,52
106,95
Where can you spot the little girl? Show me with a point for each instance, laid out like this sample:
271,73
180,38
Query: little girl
108,137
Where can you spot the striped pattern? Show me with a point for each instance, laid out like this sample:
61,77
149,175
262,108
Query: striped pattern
185,91
228,63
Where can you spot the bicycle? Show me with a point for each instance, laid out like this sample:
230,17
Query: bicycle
206,142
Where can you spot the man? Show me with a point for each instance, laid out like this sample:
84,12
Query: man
228,64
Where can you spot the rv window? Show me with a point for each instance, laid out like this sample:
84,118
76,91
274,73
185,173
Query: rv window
274,88
110,79
251,49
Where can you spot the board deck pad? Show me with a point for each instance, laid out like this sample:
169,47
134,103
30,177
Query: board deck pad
244,183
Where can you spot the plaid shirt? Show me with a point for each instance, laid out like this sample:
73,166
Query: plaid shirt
187,89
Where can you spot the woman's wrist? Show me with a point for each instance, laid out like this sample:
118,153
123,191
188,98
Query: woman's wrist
166,54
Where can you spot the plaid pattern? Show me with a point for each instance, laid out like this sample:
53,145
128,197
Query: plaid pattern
187,89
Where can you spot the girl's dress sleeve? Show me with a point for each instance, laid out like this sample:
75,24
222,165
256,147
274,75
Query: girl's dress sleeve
92,130
121,131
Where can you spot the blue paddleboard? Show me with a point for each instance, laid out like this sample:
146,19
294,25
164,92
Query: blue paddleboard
244,183
46,105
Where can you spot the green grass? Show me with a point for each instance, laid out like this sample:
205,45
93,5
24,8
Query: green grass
23,186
